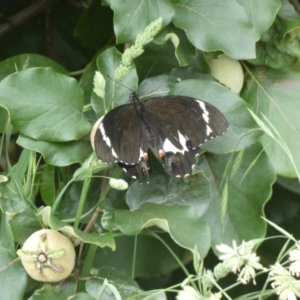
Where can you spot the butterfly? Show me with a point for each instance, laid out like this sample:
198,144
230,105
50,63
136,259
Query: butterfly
174,127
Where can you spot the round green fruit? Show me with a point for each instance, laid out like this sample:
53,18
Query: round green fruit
228,71
48,256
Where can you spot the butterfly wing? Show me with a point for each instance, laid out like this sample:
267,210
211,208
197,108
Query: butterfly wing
178,164
184,124
116,136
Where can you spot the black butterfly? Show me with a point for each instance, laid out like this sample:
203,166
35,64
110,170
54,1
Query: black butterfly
172,126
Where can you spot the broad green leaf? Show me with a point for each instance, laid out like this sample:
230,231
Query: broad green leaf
120,282
261,14
156,86
192,191
68,204
214,27
292,184
86,80
11,272
157,59
47,187
58,154
283,208
116,93
149,255
99,288
6,236
82,296
240,187
22,62
269,54
4,117
68,288
102,240
183,50
289,17
95,24
157,294
131,17
44,105
279,46
15,202
274,97
47,292
180,221
288,12
20,215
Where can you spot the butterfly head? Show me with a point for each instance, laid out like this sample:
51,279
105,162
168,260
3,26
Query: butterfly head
134,98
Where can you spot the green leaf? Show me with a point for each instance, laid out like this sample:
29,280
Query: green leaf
3,119
68,288
58,154
180,221
291,184
148,254
101,240
26,61
183,50
157,59
116,93
268,54
95,24
275,94
240,187
265,13
47,188
11,272
156,86
6,236
82,296
86,80
288,12
157,294
211,27
101,289
51,106
132,17
46,293
279,46
20,215
193,191
110,280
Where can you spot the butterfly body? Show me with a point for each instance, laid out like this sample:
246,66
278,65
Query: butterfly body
172,126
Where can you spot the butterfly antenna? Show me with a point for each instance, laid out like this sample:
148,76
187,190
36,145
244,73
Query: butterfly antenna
147,75
118,82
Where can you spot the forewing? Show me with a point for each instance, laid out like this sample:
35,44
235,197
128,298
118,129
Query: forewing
186,122
116,137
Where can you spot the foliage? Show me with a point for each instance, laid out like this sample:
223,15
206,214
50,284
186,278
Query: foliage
49,100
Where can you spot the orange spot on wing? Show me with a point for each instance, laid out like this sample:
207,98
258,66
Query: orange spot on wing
161,153
146,156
